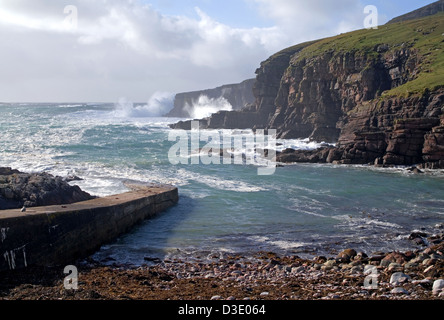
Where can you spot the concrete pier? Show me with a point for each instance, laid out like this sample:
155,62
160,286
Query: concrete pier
57,235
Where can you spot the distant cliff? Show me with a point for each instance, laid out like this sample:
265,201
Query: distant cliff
264,88
378,94
426,11
238,95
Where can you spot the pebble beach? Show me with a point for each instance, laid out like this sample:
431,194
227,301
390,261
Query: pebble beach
351,275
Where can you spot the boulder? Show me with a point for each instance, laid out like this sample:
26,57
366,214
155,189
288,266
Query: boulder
399,291
397,257
18,189
346,255
399,278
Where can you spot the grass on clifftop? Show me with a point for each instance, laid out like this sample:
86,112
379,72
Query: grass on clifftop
287,53
426,35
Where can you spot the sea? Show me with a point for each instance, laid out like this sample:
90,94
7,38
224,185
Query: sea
305,210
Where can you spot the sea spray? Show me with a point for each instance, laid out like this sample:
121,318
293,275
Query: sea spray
205,107
302,209
159,104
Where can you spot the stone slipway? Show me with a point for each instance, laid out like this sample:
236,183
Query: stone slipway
57,235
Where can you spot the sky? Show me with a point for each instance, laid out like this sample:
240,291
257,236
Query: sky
108,50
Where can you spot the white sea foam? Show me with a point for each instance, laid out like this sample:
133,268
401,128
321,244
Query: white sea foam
310,213
104,180
281,244
61,144
217,182
355,222
204,107
298,144
70,105
159,104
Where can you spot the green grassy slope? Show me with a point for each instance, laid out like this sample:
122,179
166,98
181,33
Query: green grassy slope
426,35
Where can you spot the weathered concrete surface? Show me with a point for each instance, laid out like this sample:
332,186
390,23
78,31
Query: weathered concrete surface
56,235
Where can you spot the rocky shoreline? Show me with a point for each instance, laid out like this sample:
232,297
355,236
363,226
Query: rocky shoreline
18,189
351,275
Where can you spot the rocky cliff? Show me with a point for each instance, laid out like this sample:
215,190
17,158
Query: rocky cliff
394,131
18,189
378,94
265,87
238,95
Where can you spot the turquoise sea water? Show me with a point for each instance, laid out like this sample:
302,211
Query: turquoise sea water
302,209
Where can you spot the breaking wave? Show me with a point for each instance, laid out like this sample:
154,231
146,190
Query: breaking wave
205,107
159,104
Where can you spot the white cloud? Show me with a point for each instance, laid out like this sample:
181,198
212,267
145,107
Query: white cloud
126,48
308,20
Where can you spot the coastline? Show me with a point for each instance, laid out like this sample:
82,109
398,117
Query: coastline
350,275
399,276
58,234
321,178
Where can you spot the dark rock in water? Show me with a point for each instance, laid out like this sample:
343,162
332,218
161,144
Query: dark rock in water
415,170
419,238
419,242
415,235
152,259
18,190
73,178
436,239
303,156
5,171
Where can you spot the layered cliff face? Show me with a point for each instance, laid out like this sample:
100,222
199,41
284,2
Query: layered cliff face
315,93
238,95
394,131
268,83
382,102
378,94
265,88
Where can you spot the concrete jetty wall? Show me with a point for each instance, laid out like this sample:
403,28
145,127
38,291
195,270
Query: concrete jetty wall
57,235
